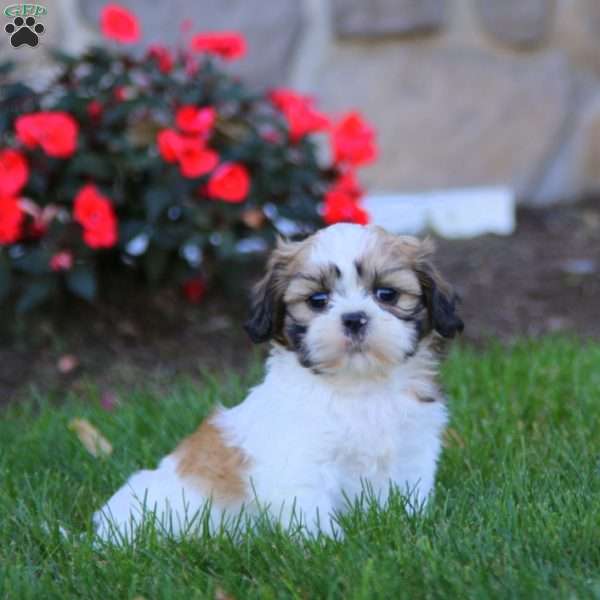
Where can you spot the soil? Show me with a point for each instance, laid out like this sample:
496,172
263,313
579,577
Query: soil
543,279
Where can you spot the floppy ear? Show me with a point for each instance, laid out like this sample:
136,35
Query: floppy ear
443,313
267,310
440,301
260,325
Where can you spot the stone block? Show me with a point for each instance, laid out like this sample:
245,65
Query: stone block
385,17
518,22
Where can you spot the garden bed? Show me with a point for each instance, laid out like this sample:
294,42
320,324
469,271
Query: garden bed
543,279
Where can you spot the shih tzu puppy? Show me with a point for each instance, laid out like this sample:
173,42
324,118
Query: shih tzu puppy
356,318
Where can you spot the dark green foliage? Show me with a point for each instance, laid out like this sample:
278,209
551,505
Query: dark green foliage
169,229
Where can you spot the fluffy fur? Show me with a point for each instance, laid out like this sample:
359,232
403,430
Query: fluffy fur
356,317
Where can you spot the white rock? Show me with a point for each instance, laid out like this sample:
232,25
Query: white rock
398,213
456,213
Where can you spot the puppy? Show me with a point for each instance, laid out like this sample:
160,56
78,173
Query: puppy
356,318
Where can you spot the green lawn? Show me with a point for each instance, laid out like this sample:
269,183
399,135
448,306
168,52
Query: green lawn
516,513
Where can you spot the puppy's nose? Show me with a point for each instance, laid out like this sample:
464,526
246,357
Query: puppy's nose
354,323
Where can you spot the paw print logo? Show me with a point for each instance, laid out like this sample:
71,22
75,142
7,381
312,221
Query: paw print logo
24,31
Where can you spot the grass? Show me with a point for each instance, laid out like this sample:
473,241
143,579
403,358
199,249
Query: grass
516,513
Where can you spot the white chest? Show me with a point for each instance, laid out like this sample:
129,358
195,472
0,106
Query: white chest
394,440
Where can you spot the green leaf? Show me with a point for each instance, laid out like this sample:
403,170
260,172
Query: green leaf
64,57
156,200
89,163
130,229
6,67
82,282
170,236
5,280
155,263
116,115
34,262
35,294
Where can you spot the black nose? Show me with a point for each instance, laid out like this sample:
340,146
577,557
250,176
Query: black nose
354,323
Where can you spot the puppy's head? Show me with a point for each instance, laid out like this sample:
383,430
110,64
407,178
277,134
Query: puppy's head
352,298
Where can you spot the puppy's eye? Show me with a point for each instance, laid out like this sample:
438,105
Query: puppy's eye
319,300
386,295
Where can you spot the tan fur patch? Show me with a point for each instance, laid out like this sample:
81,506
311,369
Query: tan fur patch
218,467
309,281
392,260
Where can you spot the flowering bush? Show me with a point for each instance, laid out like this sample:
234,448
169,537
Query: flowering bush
162,163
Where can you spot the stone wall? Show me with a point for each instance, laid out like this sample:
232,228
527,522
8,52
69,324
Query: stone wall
473,92
463,92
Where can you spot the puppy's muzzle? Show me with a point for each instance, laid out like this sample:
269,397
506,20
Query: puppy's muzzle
355,323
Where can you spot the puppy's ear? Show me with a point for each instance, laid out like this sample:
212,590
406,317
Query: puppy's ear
440,301
267,310
259,325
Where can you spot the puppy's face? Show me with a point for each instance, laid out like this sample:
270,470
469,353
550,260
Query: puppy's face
352,299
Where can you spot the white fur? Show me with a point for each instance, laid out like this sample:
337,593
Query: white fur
314,440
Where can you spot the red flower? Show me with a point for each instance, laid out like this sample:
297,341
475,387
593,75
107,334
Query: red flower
62,261
194,289
299,112
118,24
353,141
94,109
340,206
230,183
162,56
192,119
348,184
55,132
36,229
120,93
226,44
169,144
95,214
195,159
14,172
11,219
28,129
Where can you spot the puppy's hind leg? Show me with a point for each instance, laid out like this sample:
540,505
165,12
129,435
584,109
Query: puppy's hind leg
157,494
